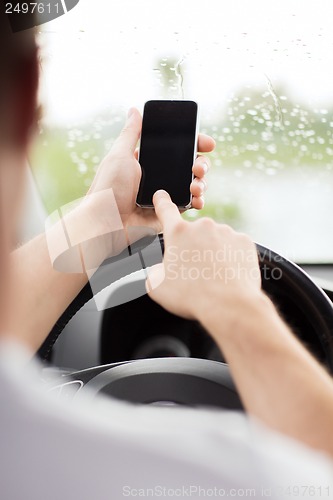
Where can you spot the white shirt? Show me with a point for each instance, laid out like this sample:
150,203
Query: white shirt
94,449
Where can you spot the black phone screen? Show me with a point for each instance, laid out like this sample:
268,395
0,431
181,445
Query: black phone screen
167,150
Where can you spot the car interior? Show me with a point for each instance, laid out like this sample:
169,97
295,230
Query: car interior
265,96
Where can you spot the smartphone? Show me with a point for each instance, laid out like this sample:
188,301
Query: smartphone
168,148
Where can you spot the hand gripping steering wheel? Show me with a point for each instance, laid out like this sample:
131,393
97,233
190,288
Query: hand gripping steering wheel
188,381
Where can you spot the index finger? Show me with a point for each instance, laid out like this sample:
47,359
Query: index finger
206,143
167,212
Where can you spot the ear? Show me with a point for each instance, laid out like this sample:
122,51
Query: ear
25,99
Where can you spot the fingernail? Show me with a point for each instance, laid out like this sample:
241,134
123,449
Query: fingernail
202,185
130,112
160,193
205,167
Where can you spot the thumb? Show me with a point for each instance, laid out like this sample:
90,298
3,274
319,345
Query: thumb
156,275
130,134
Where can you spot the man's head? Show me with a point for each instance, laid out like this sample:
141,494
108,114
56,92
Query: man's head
18,90
18,82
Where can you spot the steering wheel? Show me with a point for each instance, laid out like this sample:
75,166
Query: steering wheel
186,381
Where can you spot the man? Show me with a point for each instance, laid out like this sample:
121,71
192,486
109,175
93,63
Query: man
110,449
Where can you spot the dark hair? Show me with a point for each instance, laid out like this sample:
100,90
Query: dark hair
18,53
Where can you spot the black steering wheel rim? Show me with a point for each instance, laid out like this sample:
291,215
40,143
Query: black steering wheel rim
312,300
274,269
190,381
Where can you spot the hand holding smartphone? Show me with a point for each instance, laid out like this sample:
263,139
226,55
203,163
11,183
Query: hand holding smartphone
168,149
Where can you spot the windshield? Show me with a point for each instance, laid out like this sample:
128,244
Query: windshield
262,75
